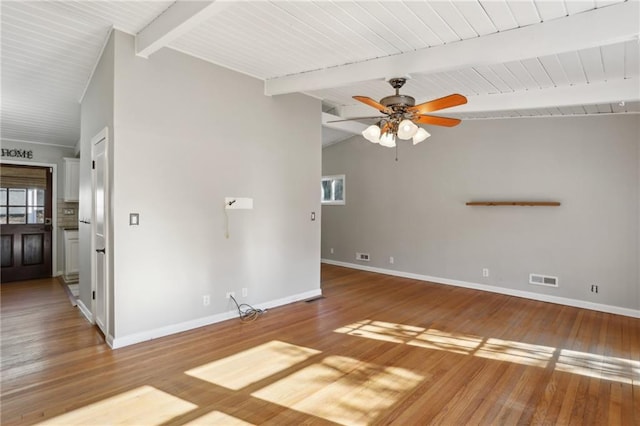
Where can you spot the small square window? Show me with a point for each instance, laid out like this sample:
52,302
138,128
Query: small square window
333,189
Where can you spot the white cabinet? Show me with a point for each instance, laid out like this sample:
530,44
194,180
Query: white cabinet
71,255
71,179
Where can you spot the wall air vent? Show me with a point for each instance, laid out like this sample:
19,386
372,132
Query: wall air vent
545,280
363,256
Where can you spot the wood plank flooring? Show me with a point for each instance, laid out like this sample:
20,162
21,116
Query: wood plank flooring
375,350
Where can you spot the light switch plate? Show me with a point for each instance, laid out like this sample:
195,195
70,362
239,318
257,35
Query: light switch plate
134,219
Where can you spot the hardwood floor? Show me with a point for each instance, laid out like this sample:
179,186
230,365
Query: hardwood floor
375,350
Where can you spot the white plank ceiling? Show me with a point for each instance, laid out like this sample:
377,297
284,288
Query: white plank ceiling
520,58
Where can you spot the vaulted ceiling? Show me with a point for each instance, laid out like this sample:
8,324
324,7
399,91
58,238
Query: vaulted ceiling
510,58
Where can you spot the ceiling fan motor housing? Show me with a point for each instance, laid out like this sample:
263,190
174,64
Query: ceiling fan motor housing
395,101
398,102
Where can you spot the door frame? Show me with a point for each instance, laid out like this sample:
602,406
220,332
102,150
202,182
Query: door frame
102,135
54,207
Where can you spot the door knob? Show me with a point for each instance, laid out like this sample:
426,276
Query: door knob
100,251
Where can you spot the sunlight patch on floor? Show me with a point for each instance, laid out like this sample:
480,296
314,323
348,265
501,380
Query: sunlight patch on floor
582,363
517,352
380,330
412,335
145,404
341,389
217,418
250,366
599,366
444,341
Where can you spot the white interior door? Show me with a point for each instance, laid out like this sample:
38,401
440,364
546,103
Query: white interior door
100,232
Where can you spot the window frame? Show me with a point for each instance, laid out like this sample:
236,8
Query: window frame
29,207
333,201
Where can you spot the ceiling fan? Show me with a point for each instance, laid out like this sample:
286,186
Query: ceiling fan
402,114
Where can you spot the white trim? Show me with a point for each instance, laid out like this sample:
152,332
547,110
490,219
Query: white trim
85,311
54,205
201,322
102,135
635,313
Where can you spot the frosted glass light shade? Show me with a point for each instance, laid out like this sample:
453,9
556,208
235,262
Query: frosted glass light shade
372,133
388,140
421,134
407,129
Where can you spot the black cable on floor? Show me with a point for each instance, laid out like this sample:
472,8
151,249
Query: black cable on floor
246,312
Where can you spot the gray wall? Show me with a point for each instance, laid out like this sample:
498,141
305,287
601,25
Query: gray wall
49,154
96,114
414,209
188,133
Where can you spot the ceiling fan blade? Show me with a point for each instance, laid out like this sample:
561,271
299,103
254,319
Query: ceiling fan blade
438,121
367,100
356,118
438,104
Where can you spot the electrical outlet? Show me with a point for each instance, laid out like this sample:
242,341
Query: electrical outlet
245,292
391,260
594,288
331,250
231,294
206,300
485,272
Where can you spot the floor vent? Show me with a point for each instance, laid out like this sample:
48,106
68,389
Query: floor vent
546,280
362,256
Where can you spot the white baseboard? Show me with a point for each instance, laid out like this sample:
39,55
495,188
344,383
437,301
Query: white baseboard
143,336
85,311
635,313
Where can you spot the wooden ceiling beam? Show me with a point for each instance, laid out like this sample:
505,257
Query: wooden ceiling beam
178,19
598,27
604,92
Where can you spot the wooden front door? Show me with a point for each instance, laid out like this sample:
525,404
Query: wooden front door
25,222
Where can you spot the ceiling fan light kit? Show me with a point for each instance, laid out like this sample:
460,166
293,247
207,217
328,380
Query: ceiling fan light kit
372,134
402,114
407,129
420,135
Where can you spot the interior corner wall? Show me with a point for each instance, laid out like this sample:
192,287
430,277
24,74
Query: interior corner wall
414,209
96,113
188,134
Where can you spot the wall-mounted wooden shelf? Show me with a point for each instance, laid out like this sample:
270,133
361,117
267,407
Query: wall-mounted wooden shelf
514,203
